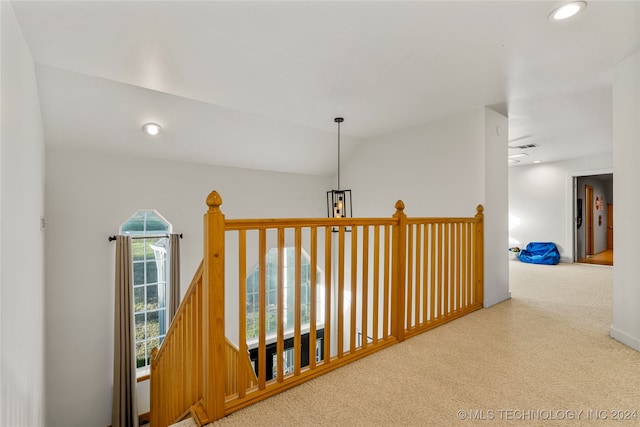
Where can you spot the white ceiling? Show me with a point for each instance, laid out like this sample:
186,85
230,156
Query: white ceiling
257,84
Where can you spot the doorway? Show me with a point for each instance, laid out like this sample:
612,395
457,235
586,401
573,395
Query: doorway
594,219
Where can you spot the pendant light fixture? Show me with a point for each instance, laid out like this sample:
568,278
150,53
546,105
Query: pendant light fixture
339,201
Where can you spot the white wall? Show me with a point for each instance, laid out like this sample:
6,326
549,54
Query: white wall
541,201
435,168
626,149
88,196
440,169
496,208
22,243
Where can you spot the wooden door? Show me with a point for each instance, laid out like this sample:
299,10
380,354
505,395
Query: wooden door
610,226
588,195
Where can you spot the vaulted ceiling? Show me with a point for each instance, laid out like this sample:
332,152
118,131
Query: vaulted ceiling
257,84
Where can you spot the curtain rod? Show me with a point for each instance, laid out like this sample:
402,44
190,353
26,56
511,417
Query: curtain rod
155,236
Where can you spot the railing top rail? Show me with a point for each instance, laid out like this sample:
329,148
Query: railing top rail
214,201
258,223
243,224
442,220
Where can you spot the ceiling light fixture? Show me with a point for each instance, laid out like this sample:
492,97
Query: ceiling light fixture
151,129
567,10
515,156
339,201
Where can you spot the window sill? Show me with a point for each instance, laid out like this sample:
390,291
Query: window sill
143,374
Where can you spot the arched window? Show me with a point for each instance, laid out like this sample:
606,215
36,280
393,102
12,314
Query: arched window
149,233
288,309
289,268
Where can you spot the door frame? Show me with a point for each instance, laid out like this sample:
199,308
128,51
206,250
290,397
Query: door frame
609,225
571,202
588,213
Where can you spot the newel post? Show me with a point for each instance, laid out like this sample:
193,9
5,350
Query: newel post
479,255
213,308
399,266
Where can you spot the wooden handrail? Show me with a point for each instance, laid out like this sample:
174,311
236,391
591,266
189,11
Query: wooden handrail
386,279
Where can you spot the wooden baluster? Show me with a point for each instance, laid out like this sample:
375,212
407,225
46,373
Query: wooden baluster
243,353
262,341
188,378
440,270
172,378
446,284
184,351
297,343
386,284
160,398
409,278
433,269
469,288
313,297
456,266
154,388
418,275
470,263
199,341
376,282
328,254
280,308
465,264
354,289
365,285
425,270
340,311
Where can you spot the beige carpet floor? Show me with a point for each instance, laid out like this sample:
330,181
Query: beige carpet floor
543,358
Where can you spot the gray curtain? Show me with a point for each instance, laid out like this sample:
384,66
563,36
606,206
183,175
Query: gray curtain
174,279
125,407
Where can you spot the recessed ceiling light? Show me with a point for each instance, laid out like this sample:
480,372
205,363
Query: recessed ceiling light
151,129
514,156
537,161
513,161
567,10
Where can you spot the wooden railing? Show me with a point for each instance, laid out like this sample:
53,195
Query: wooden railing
177,371
369,283
238,369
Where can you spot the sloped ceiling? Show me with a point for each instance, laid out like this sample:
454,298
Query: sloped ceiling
257,84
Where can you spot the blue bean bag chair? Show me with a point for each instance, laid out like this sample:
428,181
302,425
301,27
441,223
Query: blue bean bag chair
540,253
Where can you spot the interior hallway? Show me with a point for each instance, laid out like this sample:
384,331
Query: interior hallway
601,258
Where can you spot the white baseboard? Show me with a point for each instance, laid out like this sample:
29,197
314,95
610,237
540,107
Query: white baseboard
489,301
624,338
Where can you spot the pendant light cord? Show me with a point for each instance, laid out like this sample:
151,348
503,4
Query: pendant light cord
338,120
338,155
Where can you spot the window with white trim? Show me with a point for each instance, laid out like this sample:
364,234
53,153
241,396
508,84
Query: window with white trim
149,233
289,268
288,358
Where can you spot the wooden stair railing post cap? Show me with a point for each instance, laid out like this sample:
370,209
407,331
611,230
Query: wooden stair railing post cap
214,201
